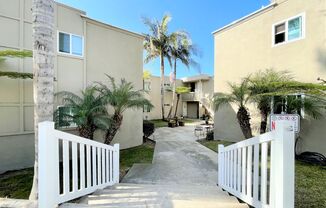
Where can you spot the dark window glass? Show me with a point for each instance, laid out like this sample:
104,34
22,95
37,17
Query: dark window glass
64,43
280,33
192,87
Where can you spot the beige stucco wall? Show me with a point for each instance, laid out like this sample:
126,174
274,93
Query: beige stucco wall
246,47
107,50
204,90
154,95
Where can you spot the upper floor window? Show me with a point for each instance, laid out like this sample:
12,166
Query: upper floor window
192,87
289,30
70,44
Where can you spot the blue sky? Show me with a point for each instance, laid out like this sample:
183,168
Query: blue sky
199,18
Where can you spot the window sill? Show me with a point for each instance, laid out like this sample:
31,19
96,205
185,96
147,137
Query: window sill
70,56
287,42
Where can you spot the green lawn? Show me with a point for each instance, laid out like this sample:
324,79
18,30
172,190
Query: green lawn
310,181
17,184
140,154
158,123
213,144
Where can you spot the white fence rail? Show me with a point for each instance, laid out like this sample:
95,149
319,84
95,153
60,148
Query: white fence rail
260,170
71,166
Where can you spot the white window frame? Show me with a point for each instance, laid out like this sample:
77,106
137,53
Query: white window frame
70,46
286,22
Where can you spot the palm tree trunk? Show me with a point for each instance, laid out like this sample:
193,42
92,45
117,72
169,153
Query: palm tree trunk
114,127
176,106
263,122
244,121
174,87
162,86
87,131
43,72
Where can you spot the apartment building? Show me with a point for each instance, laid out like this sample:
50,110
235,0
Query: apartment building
191,105
86,50
285,35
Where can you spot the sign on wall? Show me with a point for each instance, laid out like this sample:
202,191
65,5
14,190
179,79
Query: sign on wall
286,117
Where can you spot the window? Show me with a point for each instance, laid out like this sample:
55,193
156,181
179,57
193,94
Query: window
167,85
70,44
280,33
147,86
192,87
295,28
65,117
289,30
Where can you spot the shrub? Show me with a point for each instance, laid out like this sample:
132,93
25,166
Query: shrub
148,129
210,136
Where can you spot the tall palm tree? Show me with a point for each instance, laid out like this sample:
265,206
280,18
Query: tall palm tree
121,97
179,91
88,112
261,83
239,96
43,71
157,44
181,49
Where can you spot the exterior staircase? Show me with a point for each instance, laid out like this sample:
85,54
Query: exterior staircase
159,196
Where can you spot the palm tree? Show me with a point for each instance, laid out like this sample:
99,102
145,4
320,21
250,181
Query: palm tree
239,95
157,45
181,49
313,106
88,112
179,91
43,71
260,83
121,97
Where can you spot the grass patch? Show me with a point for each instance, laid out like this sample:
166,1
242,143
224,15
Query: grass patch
158,123
140,154
213,144
189,120
16,184
310,185
310,181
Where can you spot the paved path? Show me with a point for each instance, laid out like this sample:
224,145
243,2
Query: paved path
178,159
183,175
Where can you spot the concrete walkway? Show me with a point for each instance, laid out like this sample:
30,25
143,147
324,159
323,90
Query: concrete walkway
178,159
183,175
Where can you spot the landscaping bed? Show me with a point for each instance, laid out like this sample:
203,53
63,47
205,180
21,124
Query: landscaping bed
310,181
17,184
158,123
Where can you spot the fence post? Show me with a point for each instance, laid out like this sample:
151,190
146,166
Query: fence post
220,164
283,165
48,166
116,167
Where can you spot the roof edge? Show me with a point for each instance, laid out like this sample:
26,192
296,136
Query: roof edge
113,27
272,5
70,7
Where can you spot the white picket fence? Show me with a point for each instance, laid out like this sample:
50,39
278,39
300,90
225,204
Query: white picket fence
260,170
86,166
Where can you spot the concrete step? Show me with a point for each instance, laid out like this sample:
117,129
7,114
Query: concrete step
160,196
